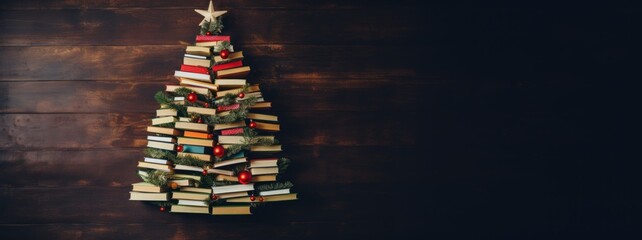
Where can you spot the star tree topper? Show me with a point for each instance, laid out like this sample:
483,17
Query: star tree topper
209,14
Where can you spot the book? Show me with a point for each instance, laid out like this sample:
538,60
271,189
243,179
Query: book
231,210
200,135
233,188
229,162
184,119
194,149
212,38
273,198
200,127
196,83
199,90
163,130
239,72
232,195
190,195
235,56
238,139
207,44
194,69
160,167
226,178
274,192
188,168
161,139
161,145
262,170
251,88
195,76
229,83
200,110
195,141
196,62
261,105
147,187
262,117
220,171
198,50
228,65
166,112
264,178
192,203
145,196
259,148
189,209
222,126
195,189
264,162
163,120
232,131
156,160
186,176
268,126
222,108
202,157
187,55
182,182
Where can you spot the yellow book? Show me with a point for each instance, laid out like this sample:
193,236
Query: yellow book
200,127
161,145
222,126
263,117
146,187
186,176
198,50
195,189
231,210
163,120
199,90
166,112
190,195
268,126
163,130
258,148
202,157
141,196
235,56
189,209
197,83
239,72
229,83
200,110
196,62
195,141
261,105
252,88
264,178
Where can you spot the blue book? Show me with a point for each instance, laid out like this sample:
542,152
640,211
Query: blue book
193,149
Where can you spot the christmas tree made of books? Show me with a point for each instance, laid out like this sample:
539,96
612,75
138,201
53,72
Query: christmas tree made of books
211,148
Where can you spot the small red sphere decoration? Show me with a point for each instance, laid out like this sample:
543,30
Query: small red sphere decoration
208,33
179,148
261,199
245,177
199,120
206,105
225,53
252,198
204,172
241,95
252,124
214,197
219,151
191,97
210,135
162,209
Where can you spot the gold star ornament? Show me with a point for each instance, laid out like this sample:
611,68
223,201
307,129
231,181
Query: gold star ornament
209,14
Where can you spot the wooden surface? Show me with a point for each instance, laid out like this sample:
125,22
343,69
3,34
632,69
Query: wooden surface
464,121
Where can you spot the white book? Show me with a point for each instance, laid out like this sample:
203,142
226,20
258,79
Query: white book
156,160
188,168
161,145
233,188
195,56
184,119
191,75
161,139
192,203
275,192
179,98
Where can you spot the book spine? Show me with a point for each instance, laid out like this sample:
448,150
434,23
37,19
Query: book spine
227,66
194,69
229,107
201,38
232,131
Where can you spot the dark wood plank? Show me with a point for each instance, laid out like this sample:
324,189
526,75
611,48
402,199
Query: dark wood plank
358,95
102,167
138,26
83,131
154,63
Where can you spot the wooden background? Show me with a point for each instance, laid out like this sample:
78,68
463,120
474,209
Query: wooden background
400,118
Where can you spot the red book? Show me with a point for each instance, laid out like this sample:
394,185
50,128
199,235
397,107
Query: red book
203,38
232,131
229,65
194,69
228,107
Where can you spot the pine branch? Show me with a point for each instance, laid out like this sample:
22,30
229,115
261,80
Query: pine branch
158,178
159,153
189,161
167,125
163,99
273,186
283,164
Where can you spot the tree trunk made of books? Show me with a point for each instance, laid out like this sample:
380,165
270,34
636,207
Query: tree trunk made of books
211,150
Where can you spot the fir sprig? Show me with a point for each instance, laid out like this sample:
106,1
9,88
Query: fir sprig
273,186
190,161
283,164
163,99
156,177
159,153
214,27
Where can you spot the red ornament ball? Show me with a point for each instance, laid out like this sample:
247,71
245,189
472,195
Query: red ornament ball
252,124
219,151
204,172
191,97
225,53
210,135
252,198
206,105
162,209
199,120
241,95
245,177
179,148
208,33
261,199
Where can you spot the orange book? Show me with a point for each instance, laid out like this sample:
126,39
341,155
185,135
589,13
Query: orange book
196,135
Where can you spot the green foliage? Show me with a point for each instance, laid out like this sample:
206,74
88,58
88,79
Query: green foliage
222,45
222,183
207,181
215,27
162,98
273,186
167,125
156,177
236,114
159,153
283,164
189,161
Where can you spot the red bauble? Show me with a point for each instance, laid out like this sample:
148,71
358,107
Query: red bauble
206,105
219,151
252,124
241,95
208,33
210,135
214,197
191,97
245,177
225,53
199,120
162,209
252,198
261,199
179,148
204,172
